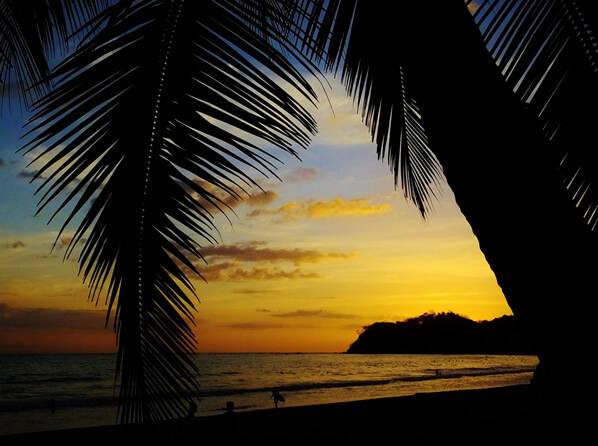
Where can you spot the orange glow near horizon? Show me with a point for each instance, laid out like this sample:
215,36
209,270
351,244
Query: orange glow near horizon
34,341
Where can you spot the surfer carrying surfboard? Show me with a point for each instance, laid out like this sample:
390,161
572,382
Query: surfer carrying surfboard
277,397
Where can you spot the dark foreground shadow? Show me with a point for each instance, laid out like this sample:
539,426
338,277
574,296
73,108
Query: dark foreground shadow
490,416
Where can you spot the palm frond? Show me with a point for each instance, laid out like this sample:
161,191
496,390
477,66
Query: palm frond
31,34
367,44
167,97
547,52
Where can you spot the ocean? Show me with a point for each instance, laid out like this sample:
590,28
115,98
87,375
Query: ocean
45,392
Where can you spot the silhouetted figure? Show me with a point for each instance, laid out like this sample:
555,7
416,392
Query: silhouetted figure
277,397
230,407
192,410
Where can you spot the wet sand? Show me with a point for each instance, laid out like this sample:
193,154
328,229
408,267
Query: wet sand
507,415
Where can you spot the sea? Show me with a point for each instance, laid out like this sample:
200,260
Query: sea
61,391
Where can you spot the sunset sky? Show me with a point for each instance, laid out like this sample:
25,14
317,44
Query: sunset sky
302,267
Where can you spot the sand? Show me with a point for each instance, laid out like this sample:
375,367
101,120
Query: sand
507,415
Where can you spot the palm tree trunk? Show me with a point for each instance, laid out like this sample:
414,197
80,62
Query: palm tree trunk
506,183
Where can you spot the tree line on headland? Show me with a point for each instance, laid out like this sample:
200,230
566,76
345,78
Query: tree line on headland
444,333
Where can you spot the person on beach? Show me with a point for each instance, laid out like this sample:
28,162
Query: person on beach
192,410
230,407
277,397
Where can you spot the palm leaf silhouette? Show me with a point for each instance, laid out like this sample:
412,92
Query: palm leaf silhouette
347,37
545,50
139,114
547,53
32,33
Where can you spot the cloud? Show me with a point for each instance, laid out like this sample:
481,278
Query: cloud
265,273
28,174
48,318
339,207
64,242
261,198
235,272
313,314
255,326
300,175
254,291
14,244
255,261
219,198
254,252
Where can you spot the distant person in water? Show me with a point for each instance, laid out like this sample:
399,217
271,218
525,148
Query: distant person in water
277,397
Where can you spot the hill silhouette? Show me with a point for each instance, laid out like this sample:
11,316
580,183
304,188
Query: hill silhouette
444,333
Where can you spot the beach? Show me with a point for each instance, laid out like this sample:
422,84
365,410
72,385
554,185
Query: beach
513,414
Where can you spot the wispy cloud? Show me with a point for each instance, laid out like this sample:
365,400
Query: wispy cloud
15,244
250,291
339,207
27,174
261,198
313,314
255,261
213,198
50,318
300,175
255,326
63,242
257,252
236,271
66,241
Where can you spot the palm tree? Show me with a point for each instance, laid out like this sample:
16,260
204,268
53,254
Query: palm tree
136,115
143,107
507,101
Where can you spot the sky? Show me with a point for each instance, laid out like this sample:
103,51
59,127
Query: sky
302,266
